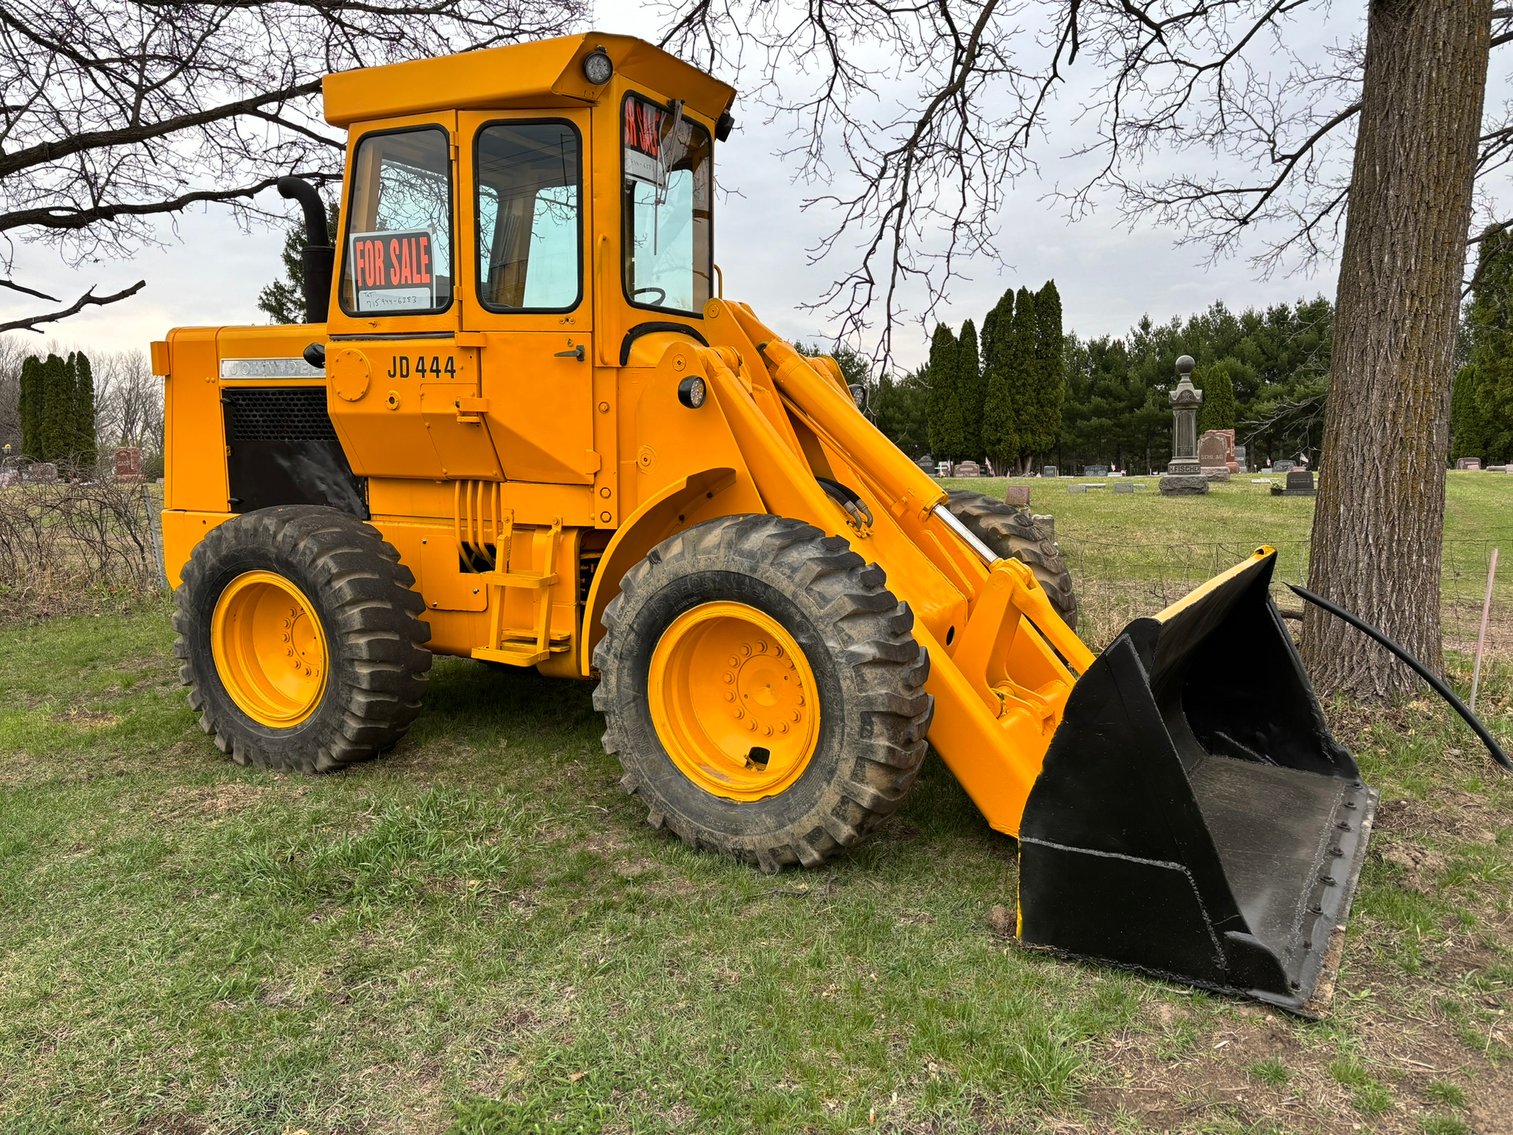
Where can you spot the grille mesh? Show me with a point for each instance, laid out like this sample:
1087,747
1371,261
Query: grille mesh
278,414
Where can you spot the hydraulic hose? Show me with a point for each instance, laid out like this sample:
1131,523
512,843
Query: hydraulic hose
1418,668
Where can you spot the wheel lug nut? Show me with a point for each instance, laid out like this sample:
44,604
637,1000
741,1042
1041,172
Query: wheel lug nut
751,725
739,713
746,648
796,716
729,678
730,695
735,660
767,730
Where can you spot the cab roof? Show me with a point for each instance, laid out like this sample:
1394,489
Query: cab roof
546,73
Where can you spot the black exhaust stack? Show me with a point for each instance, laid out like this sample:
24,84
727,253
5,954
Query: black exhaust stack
320,255
1195,818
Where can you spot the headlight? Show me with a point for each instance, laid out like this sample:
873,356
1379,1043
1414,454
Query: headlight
691,392
597,67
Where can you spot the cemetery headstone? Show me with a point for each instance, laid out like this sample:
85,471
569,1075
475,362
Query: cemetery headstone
1017,495
1095,471
968,469
129,464
1183,474
1213,452
1300,483
1283,466
1465,463
1241,464
1124,486
1049,471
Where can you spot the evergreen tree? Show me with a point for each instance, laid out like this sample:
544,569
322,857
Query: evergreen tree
1491,354
1218,411
82,450
999,436
31,405
1466,428
946,440
1050,370
971,387
57,402
284,300
1020,347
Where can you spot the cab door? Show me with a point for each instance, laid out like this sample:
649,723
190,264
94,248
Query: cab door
526,235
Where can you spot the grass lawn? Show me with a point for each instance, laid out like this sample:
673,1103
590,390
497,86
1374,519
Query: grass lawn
479,933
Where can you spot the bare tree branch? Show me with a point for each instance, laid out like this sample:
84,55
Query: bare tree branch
88,299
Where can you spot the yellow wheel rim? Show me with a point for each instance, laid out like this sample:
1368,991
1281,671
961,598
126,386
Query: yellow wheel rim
734,701
269,649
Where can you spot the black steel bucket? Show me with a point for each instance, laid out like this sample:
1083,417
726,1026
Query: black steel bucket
1194,818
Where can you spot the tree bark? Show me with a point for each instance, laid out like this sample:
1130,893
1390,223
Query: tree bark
1379,520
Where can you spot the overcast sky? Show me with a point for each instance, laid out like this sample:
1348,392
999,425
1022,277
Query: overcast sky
210,272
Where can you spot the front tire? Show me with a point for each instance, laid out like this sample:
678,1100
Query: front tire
763,690
300,639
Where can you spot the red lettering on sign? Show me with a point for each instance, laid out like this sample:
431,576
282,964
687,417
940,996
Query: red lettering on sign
368,264
642,127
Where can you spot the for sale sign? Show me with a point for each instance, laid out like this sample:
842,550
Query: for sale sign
393,271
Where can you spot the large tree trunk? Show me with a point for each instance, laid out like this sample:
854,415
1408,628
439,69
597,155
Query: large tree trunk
1380,518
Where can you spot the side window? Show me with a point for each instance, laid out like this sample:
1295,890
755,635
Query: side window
666,206
529,217
398,255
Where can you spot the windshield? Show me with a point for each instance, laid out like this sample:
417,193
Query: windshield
667,207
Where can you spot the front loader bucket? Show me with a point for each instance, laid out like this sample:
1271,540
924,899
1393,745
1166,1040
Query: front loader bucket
1194,818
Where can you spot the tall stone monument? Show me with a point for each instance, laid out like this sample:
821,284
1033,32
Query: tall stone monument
1183,477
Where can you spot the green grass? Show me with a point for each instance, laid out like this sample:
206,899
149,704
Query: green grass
480,933
1141,550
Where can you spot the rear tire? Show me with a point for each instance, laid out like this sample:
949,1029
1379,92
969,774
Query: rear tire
300,639
1014,536
763,690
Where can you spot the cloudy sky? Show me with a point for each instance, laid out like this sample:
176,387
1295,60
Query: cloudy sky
210,272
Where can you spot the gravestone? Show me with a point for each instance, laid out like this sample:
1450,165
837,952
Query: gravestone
1045,523
927,463
1299,484
1095,470
968,469
129,464
1241,464
1049,471
1017,495
42,473
1283,466
1464,463
1076,488
1124,486
1213,454
1183,475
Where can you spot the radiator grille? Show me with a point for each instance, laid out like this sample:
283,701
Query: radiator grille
277,414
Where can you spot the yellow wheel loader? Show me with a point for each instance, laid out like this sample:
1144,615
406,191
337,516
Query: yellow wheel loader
523,425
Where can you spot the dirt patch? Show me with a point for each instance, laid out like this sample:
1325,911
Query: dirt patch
216,800
85,718
1381,1066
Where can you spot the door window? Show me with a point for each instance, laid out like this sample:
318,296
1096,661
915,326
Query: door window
529,217
398,256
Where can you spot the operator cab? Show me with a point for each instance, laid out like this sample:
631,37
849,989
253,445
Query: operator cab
487,193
